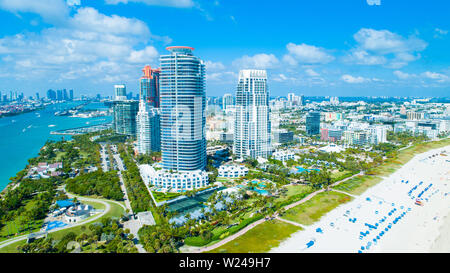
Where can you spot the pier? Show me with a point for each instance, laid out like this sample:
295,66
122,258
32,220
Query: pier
83,129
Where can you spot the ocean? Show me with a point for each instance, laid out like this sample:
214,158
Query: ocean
22,136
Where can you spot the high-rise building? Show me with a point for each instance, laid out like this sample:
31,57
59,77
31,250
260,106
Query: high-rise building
252,117
148,118
59,95
149,86
183,123
283,136
183,110
120,92
65,94
148,129
71,94
125,112
313,123
51,94
227,101
37,95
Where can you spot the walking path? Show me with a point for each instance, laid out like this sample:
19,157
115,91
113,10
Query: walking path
229,238
247,228
346,193
290,222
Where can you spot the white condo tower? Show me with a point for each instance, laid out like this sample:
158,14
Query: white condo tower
252,117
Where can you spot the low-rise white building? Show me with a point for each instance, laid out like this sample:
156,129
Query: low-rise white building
77,213
283,155
175,181
232,171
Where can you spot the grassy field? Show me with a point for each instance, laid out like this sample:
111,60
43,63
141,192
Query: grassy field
115,211
360,184
17,227
295,192
259,239
313,209
163,196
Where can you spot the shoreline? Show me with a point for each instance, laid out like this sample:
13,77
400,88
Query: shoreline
339,234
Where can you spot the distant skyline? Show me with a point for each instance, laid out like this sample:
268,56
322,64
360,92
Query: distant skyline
315,48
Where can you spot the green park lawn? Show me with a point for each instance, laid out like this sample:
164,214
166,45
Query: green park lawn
312,210
164,196
259,239
295,193
15,226
359,184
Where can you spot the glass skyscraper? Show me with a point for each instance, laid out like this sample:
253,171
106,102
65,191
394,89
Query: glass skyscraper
148,118
149,86
183,115
252,116
125,112
313,123
148,129
120,92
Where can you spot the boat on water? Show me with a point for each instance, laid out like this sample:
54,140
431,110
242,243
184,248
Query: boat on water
52,125
419,202
13,120
29,126
24,130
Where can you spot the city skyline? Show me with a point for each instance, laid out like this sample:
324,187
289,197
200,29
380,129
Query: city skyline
345,49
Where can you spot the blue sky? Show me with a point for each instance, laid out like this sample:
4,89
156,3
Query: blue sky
321,47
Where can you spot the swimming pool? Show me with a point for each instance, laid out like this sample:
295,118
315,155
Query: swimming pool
301,169
55,224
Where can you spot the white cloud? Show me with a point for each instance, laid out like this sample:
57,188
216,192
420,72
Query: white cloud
166,3
89,19
374,2
402,75
147,55
440,33
364,58
351,79
386,48
214,66
258,61
73,2
306,54
435,76
311,73
52,11
228,77
280,78
384,41
90,45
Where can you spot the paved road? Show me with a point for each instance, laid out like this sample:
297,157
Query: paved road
133,224
122,183
104,156
244,230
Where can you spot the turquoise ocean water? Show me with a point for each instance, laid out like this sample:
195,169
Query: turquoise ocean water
22,136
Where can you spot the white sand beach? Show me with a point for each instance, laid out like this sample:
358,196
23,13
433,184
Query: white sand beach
385,218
